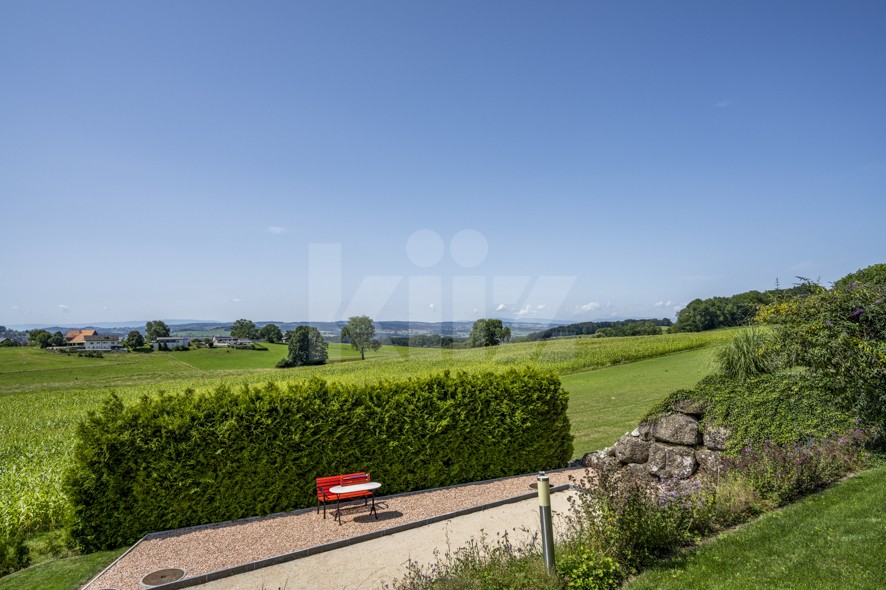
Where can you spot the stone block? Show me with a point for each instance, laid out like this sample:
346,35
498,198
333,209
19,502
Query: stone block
671,462
716,437
678,429
630,449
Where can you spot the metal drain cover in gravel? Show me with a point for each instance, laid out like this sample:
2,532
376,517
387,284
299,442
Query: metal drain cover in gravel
163,576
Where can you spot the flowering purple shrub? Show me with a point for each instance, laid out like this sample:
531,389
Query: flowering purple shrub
782,473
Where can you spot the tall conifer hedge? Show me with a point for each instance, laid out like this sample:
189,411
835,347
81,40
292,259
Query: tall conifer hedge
170,461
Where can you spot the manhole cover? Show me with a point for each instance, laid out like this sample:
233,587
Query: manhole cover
163,576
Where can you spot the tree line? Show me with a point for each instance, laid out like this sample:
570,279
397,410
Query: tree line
737,310
606,328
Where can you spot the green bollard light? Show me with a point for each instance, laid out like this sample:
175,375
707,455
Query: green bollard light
547,529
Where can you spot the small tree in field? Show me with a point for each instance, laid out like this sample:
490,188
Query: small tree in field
306,347
134,340
488,333
156,329
243,328
360,332
271,333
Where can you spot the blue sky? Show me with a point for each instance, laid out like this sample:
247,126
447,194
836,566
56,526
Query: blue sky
432,160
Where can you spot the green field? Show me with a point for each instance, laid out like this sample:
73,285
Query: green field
835,539
29,369
606,403
43,395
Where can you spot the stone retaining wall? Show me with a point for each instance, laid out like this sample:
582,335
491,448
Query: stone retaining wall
673,446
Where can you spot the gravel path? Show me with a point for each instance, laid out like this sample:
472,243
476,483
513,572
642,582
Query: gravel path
210,548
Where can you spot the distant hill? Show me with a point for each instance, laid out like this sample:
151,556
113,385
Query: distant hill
386,329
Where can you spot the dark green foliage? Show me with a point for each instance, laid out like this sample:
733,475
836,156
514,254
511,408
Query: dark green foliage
839,337
156,329
486,332
872,277
134,340
91,354
172,461
245,329
737,310
57,339
619,328
306,347
782,408
14,554
39,338
270,333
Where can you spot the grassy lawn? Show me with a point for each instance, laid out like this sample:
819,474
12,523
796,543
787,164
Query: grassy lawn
62,574
24,369
606,403
835,539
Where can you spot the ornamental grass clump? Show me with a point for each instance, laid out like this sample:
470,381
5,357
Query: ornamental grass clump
747,355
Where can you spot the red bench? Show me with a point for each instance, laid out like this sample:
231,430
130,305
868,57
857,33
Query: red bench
324,483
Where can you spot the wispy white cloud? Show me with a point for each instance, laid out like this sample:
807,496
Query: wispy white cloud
725,103
432,307
525,310
541,307
276,229
64,307
237,300
590,306
663,303
15,307
501,307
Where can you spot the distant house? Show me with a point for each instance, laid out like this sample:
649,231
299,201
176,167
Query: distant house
230,341
78,336
170,342
101,341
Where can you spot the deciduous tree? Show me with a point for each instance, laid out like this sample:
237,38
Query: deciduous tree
360,332
156,329
244,328
271,333
39,338
134,339
487,332
306,347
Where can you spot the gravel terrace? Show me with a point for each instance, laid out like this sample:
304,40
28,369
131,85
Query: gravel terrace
210,548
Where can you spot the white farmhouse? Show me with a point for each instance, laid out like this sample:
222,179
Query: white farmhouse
101,342
170,342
